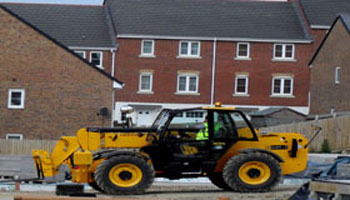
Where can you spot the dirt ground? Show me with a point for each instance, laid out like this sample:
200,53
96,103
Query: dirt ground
185,192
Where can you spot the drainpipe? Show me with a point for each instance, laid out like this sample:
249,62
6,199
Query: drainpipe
113,90
213,73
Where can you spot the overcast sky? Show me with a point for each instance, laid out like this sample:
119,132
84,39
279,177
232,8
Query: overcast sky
92,2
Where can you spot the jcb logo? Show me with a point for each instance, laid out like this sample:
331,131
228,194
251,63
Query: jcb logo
189,150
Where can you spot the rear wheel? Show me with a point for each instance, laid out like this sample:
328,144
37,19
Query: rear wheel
125,174
252,172
218,180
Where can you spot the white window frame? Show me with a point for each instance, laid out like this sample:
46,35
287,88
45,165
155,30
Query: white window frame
151,82
20,136
282,78
248,50
187,90
142,45
246,84
337,75
101,60
283,57
190,49
82,52
9,105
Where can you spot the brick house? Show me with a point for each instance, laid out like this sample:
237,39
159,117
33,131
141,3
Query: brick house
84,29
330,70
46,90
176,53
252,55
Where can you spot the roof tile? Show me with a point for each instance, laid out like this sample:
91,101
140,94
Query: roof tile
73,25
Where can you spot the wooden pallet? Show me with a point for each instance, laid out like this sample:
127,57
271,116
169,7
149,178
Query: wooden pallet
330,189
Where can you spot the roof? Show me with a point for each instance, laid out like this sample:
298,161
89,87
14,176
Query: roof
88,64
323,12
207,18
272,110
345,19
73,25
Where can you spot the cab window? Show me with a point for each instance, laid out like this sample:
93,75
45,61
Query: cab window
243,129
185,125
223,125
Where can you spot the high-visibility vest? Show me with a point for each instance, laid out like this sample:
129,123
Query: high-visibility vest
203,134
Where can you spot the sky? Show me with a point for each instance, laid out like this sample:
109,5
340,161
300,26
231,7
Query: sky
91,2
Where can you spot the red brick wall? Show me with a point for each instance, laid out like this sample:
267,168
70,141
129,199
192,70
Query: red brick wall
260,69
325,94
62,93
165,66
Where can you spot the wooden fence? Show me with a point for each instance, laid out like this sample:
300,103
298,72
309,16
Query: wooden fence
336,130
24,147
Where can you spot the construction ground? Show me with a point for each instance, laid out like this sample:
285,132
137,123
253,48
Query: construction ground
163,189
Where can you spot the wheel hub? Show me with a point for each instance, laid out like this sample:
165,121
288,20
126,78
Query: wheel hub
254,172
125,175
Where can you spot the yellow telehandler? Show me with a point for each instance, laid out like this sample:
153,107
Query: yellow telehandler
230,152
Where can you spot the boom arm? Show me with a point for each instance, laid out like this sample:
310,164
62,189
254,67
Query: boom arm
76,151
65,149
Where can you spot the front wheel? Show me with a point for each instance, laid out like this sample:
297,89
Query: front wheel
125,174
252,172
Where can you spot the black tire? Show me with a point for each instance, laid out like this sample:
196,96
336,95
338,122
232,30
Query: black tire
95,186
252,172
218,180
114,175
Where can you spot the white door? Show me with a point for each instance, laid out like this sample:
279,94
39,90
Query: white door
145,117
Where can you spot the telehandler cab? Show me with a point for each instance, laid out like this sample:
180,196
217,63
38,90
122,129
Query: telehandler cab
234,156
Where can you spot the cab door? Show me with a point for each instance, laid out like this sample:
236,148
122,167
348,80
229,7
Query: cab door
224,133
180,139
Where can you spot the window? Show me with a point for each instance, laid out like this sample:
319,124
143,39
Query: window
189,49
14,136
81,53
16,99
337,75
188,121
147,47
241,84
187,84
284,51
282,86
96,58
194,114
146,82
242,50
